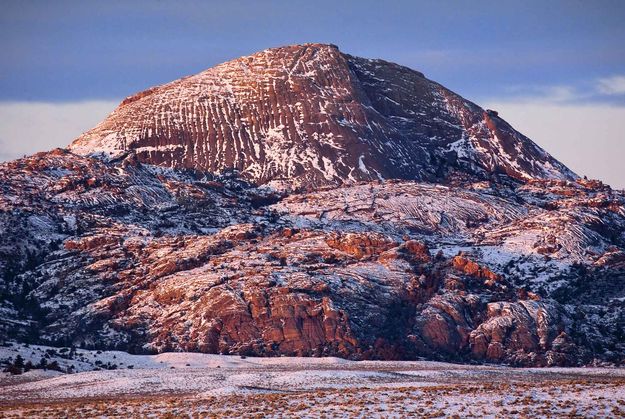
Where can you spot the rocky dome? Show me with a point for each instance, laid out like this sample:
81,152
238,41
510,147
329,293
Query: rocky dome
312,115
450,258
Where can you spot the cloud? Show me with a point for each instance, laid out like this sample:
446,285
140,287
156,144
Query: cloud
601,91
29,127
588,138
558,94
547,94
537,94
611,85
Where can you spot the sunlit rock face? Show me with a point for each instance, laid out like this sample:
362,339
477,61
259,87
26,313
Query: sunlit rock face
138,257
314,115
305,202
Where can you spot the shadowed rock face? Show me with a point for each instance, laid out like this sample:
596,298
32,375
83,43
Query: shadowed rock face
312,115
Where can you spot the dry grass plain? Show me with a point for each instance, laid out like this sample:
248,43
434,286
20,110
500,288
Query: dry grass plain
218,387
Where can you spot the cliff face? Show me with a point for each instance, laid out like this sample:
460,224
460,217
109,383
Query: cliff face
137,257
405,222
311,115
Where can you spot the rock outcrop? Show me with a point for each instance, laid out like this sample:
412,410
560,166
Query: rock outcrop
148,259
310,115
302,201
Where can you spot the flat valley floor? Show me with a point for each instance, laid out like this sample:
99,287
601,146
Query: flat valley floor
197,385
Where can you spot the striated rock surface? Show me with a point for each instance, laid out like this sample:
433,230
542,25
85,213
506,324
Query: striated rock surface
136,257
302,201
311,115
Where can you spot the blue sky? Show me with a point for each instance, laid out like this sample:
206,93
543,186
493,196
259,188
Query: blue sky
71,61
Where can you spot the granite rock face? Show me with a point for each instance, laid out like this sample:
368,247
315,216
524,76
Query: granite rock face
310,115
136,257
302,201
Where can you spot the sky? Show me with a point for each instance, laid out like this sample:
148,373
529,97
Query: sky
554,69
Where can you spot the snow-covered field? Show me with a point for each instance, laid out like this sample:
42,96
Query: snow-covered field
223,386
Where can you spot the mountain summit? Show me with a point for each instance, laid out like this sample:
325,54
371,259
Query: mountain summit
312,115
